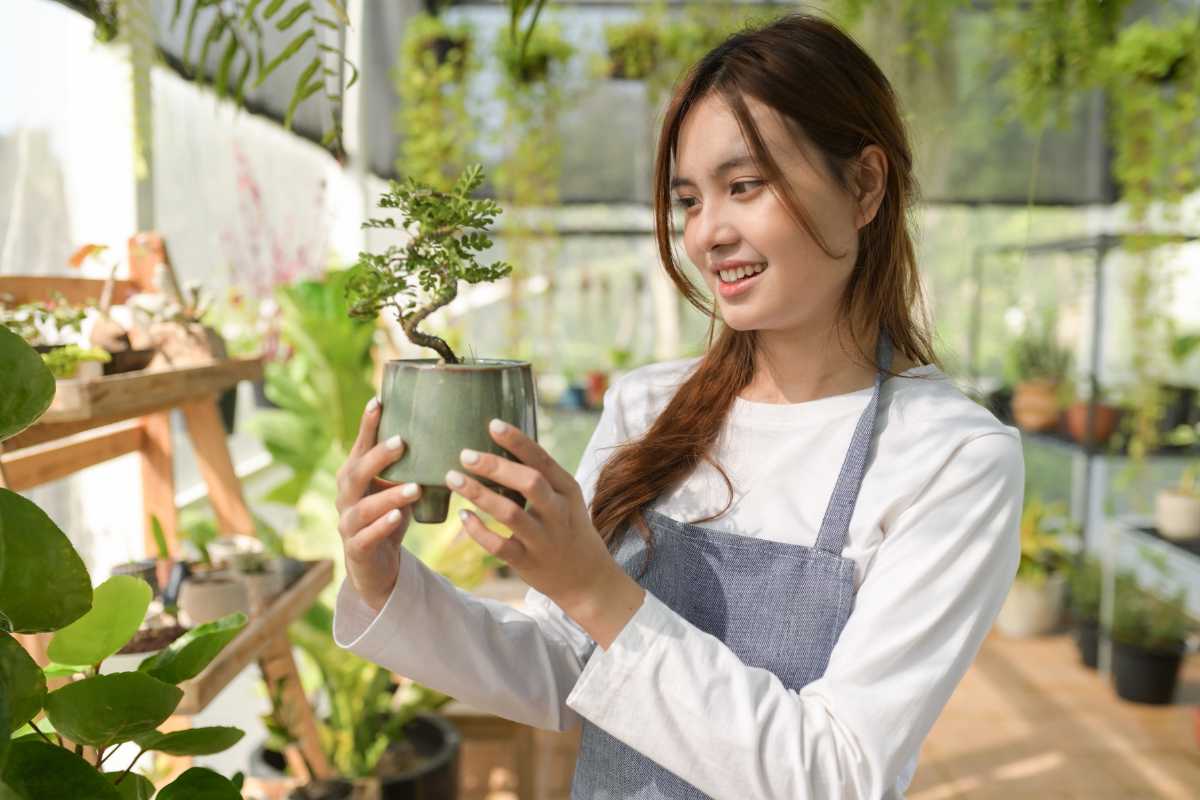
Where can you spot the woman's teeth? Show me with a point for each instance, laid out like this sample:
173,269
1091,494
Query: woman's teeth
731,275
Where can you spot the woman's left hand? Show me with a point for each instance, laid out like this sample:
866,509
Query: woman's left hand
554,547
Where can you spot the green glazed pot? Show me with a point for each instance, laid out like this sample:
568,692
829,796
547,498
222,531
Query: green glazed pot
438,409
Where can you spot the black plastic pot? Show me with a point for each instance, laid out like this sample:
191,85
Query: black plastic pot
437,742
228,404
260,395
267,763
332,789
1086,633
1145,676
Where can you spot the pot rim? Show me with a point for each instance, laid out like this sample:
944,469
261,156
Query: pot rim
479,364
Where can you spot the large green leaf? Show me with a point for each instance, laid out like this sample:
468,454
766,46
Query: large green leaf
192,652
192,742
118,608
5,720
108,709
37,770
132,786
24,684
199,783
44,585
27,387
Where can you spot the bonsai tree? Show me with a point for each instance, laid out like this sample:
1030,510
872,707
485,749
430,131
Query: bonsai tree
421,276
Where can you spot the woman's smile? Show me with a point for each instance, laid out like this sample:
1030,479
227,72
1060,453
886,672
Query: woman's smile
737,281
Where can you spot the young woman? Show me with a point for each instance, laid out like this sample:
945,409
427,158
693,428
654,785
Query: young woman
775,561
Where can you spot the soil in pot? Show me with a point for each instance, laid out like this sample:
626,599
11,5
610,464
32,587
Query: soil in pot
424,764
1087,640
151,640
1145,676
333,789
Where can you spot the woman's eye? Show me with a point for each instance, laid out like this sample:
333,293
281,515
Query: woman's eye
689,202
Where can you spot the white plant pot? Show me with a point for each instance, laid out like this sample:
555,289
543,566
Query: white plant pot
1033,609
221,593
1177,515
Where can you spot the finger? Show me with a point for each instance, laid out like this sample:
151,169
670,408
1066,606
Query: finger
362,543
374,506
373,462
508,549
368,428
526,480
529,452
500,507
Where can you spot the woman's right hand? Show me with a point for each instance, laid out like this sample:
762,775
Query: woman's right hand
373,515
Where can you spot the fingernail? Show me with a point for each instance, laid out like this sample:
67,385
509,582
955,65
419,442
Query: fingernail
498,426
393,515
463,515
454,479
410,490
394,442
469,456
372,404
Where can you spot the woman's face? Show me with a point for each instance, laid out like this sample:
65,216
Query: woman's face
731,214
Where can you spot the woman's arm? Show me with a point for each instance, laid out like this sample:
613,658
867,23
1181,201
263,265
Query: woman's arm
520,665
685,700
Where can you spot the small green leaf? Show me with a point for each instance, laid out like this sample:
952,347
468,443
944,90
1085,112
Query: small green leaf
132,786
44,585
108,709
118,609
272,7
290,19
284,54
199,783
192,742
28,386
188,655
37,770
25,685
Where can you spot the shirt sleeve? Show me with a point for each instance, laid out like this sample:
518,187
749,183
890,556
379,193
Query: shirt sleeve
519,664
684,699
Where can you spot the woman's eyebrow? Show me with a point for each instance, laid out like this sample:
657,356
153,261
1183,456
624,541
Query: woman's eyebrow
725,166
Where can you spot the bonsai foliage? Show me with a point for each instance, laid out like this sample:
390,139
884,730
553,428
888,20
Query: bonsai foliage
1043,541
421,276
45,588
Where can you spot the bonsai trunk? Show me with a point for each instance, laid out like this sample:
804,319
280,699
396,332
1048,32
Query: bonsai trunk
410,323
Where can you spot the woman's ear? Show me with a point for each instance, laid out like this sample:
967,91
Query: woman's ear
871,182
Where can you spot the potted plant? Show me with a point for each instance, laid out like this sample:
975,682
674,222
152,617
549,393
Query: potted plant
1034,605
261,576
1038,366
1084,591
72,361
1149,638
634,49
1179,400
45,588
438,406
1177,508
1104,416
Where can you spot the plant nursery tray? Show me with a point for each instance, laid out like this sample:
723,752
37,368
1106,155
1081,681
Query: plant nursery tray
130,394
255,638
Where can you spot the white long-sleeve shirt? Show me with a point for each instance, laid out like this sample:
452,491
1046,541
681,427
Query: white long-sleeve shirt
934,538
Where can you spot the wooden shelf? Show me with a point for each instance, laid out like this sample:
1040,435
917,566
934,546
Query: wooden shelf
146,391
248,646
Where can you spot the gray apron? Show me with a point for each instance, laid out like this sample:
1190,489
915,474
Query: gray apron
777,606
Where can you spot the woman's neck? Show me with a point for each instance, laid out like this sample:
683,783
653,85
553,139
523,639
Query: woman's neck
792,371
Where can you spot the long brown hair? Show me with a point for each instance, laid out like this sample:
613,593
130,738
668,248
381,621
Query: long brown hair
819,80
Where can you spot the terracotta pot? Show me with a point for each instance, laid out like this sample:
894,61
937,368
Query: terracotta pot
597,384
1035,405
1103,426
1177,515
1032,609
212,597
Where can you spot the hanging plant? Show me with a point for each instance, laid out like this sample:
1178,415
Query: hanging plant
431,79
634,49
530,171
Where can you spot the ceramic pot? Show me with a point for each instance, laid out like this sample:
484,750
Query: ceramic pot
1177,515
1032,609
439,409
204,599
1103,426
1035,405
262,587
